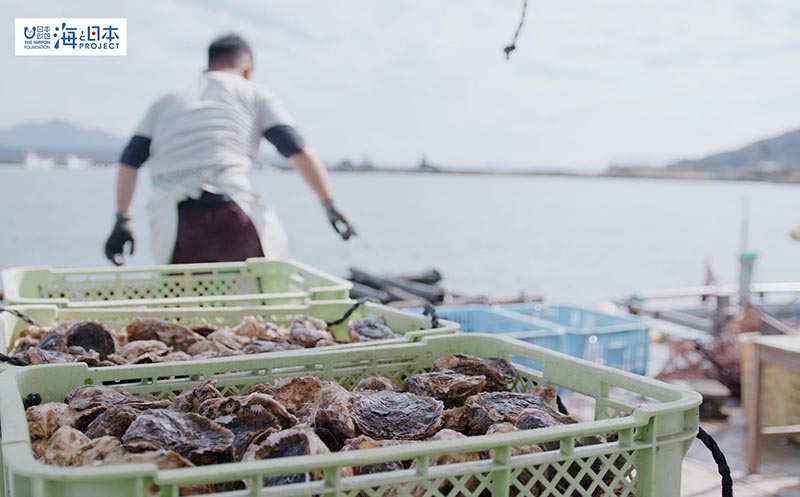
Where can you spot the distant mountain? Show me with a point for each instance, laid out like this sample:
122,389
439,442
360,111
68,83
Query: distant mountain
783,150
55,135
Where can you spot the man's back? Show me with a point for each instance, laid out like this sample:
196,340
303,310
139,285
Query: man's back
200,143
216,121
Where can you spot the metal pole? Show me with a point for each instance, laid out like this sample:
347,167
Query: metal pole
746,262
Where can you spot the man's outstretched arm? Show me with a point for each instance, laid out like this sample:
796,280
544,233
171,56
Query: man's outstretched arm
291,145
126,184
316,176
134,155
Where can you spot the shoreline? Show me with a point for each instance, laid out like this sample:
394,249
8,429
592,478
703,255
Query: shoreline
664,174
747,176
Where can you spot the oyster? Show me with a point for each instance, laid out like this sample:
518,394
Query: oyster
63,326
449,387
396,415
499,373
195,437
22,344
446,434
247,416
517,450
374,384
252,329
99,450
304,391
204,329
446,486
531,419
90,335
29,337
369,329
265,388
37,356
457,419
45,419
174,335
113,422
104,451
211,348
176,356
547,393
35,332
485,409
90,357
190,400
333,421
91,396
259,346
139,350
65,447
164,459
229,339
288,443
115,360
301,395
364,442
53,342
38,447
307,331
524,476
148,358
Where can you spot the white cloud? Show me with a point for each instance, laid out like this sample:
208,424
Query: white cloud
590,81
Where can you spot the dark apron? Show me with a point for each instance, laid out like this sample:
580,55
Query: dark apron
213,228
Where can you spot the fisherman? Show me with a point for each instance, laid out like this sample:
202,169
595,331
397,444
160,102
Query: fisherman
200,143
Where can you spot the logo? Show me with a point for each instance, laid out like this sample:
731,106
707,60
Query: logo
71,36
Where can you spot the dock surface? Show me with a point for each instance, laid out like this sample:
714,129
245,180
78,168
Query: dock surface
779,469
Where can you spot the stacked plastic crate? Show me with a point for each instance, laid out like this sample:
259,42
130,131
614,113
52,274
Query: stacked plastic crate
651,437
618,341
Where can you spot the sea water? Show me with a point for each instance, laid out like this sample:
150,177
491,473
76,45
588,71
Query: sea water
578,240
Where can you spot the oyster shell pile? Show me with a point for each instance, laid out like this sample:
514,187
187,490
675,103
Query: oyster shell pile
152,340
462,396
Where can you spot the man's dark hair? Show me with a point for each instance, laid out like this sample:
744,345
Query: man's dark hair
226,51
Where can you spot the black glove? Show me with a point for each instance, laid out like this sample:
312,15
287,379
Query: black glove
120,235
339,222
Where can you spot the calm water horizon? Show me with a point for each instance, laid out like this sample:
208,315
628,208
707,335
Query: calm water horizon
577,240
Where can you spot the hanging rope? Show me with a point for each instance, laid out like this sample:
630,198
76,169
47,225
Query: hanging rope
14,361
430,310
349,312
719,458
23,316
513,46
561,407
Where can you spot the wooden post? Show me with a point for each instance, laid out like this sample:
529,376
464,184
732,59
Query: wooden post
754,409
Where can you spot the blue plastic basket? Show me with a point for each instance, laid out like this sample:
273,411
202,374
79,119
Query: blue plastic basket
489,319
618,341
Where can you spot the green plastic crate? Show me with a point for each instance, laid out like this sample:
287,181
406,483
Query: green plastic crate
408,326
253,282
645,462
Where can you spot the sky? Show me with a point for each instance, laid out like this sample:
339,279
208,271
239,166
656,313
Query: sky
592,82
